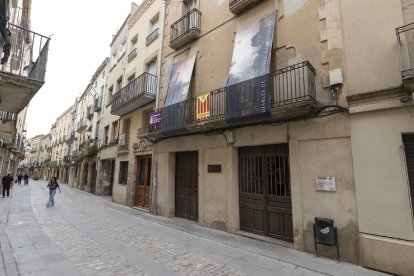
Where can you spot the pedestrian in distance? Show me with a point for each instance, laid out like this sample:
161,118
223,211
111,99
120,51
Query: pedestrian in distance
7,181
53,186
26,179
19,179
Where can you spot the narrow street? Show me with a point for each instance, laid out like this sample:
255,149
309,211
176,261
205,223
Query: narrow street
85,234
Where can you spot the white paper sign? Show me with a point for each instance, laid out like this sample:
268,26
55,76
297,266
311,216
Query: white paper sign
327,183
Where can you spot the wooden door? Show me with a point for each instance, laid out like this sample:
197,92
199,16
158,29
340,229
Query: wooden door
186,185
143,182
265,198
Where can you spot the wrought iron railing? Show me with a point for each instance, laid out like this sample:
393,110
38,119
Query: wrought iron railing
287,87
8,116
81,124
145,84
132,54
98,104
67,159
53,163
405,37
189,22
89,111
28,53
123,142
152,36
71,136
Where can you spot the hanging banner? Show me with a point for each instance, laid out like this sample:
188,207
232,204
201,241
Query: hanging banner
248,84
155,118
180,79
203,107
173,117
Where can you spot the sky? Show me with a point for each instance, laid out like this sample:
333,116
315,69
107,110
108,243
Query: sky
81,34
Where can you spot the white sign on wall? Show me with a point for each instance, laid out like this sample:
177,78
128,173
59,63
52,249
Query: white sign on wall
325,183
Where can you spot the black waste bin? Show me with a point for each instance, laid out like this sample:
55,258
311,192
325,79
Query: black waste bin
325,233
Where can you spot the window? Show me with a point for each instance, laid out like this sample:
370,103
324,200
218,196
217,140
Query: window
152,67
106,135
113,59
121,49
123,172
119,84
134,42
103,74
154,24
408,140
98,123
110,93
114,132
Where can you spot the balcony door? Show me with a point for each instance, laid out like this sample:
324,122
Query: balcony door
143,182
188,7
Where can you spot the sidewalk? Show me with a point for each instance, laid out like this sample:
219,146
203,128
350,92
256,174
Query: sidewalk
25,249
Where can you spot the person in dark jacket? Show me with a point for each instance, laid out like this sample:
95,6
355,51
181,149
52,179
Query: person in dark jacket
19,179
26,179
7,181
53,186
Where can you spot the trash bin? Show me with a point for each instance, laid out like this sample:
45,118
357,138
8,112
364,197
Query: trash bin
325,233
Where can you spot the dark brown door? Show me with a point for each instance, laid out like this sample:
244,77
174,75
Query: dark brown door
93,180
265,198
186,185
143,184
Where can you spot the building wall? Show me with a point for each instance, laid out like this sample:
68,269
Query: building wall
382,191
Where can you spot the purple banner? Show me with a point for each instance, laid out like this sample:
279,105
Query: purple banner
155,118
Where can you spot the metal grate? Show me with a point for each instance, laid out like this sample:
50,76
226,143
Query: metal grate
251,171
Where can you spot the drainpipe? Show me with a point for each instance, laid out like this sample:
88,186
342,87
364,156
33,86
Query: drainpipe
154,172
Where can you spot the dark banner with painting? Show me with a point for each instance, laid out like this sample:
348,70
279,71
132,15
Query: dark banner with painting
173,116
248,84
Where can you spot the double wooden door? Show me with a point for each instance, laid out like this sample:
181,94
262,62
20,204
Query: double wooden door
143,182
265,195
186,185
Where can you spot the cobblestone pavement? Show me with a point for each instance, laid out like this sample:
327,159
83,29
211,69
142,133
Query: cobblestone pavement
92,236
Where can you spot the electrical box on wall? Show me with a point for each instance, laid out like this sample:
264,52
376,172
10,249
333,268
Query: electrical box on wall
336,77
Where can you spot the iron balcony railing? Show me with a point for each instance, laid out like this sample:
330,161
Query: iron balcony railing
238,6
405,37
8,116
152,36
186,24
145,84
81,125
132,54
123,142
67,159
28,53
287,87
89,111
53,163
71,136
98,104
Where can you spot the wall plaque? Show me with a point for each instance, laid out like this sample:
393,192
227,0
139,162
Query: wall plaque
325,183
214,168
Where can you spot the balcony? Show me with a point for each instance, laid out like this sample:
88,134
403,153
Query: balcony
77,155
81,125
291,96
136,94
132,54
70,137
53,164
186,29
8,116
90,110
405,35
98,104
24,71
152,36
123,144
239,6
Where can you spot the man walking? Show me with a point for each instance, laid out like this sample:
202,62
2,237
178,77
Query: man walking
7,181
19,179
